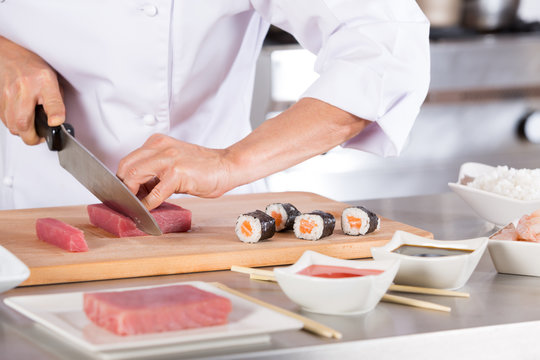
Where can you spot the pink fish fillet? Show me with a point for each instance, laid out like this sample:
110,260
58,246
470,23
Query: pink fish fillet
507,233
535,213
170,218
59,233
157,309
528,228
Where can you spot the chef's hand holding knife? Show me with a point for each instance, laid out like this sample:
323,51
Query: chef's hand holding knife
26,80
164,165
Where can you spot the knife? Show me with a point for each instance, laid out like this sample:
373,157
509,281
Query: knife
91,172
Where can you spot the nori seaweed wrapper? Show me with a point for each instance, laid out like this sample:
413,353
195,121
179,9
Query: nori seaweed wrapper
329,222
373,219
292,213
268,224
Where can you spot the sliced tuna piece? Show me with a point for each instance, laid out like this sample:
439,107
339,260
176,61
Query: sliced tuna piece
158,309
170,218
59,233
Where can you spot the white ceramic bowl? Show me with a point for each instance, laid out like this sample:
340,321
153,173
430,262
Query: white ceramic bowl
497,209
443,272
341,296
515,257
12,270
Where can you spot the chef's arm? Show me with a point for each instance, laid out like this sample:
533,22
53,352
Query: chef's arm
308,128
372,58
25,81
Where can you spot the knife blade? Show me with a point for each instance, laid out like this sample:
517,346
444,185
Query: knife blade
93,174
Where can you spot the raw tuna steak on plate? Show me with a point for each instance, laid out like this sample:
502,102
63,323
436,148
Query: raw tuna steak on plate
59,233
157,309
170,218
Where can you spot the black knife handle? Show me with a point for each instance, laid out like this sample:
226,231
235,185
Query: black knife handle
53,135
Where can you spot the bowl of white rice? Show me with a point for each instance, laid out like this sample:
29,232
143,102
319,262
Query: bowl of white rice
499,194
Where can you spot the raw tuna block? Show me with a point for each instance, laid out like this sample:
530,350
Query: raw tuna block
170,218
61,234
157,309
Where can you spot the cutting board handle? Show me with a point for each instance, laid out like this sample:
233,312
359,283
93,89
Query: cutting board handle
52,135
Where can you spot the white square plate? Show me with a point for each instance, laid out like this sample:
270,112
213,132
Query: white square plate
63,314
12,270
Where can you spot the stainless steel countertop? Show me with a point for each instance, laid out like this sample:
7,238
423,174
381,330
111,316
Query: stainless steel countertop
500,320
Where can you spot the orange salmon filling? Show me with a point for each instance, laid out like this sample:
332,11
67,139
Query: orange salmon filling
306,226
354,222
246,228
277,216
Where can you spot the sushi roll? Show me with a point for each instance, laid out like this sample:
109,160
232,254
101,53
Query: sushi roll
284,214
314,225
255,226
358,220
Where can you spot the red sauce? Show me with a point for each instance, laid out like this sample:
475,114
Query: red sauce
336,272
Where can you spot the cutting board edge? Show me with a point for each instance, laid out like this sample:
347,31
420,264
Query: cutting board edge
102,269
193,263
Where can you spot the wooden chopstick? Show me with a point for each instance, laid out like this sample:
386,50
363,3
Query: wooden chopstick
309,324
271,278
386,298
267,275
414,302
248,270
427,291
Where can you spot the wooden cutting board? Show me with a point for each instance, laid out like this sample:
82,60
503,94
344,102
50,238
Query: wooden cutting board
210,245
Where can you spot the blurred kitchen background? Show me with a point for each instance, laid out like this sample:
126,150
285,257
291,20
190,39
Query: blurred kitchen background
483,104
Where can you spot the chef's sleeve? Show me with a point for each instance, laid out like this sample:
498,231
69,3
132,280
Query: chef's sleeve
372,58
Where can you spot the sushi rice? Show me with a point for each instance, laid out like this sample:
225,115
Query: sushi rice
284,214
255,226
314,225
357,220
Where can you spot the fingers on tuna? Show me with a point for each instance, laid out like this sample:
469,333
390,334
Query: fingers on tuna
171,218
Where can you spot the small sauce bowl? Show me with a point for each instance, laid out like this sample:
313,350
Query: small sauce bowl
349,295
447,264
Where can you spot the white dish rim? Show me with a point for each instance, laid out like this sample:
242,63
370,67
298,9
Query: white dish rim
21,273
163,339
400,236
321,259
492,194
461,174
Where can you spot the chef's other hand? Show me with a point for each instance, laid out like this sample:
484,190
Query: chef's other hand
169,166
25,81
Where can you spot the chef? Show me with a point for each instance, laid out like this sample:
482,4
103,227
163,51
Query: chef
160,90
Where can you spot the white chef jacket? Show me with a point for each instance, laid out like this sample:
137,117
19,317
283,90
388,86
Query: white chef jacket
131,68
